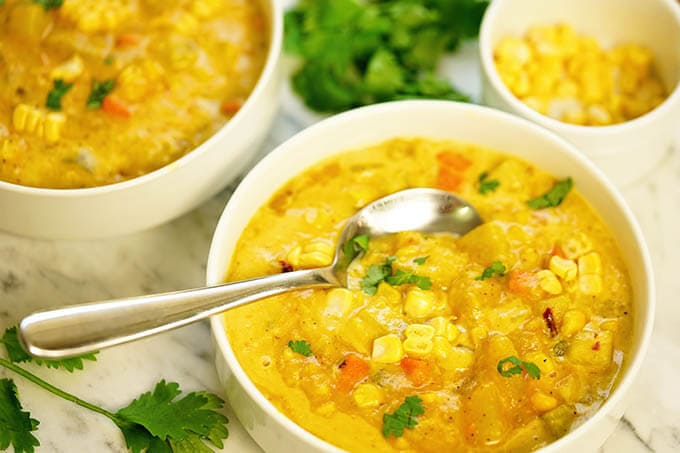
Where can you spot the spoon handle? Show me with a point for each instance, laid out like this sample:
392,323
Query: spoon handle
79,329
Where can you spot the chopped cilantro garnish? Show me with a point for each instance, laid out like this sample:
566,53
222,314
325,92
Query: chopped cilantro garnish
554,196
377,273
109,60
301,347
354,247
420,261
99,91
519,366
404,417
54,96
496,269
402,277
49,4
487,185
17,354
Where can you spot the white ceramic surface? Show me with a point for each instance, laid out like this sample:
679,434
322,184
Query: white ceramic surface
625,151
433,119
164,194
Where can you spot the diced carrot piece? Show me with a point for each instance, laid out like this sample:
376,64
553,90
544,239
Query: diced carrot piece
419,372
522,282
128,39
231,106
448,179
352,370
453,161
115,106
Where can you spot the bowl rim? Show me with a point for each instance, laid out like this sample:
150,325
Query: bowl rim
489,68
275,9
569,150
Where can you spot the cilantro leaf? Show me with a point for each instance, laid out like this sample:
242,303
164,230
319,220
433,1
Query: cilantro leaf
487,185
16,425
421,260
99,91
519,366
49,4
17,354
54,96
496,269
402,277
169,419
301,347
354,247
553,197
404,417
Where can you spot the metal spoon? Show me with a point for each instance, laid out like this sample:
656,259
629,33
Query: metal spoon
79,329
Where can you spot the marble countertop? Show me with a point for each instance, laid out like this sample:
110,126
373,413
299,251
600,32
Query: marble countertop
39,274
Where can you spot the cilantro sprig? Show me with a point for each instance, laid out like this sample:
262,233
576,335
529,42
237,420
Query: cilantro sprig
160,421
518,367
377,273
496,269
487,185
421,260
405,416
553,197
301,347
360,52
54,96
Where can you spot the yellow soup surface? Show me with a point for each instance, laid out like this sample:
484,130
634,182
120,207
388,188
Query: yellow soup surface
95,92
503,339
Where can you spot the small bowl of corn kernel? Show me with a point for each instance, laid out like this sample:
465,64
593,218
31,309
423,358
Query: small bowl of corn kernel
603,74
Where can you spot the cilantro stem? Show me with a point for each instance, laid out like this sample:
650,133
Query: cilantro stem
57,391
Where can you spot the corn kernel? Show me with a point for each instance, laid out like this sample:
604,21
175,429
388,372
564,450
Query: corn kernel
572,322
417,346
387,349
419,303
563,268
316,254
598,115
420,330
465,339
542,361
367,395
339,302
54,122
461,358
439,324
513,50
478,333
543,402
590,284
20,115
293,257
590,264
69,70
549,282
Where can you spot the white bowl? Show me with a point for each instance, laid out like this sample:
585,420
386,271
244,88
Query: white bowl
624,151
161,195
437,120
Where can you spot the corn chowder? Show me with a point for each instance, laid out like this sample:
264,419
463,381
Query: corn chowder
95,92
503,339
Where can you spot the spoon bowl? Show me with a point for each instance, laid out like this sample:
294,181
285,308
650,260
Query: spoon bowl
79,329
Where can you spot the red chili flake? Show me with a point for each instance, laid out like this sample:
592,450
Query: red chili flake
596,346
550,321
286,266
